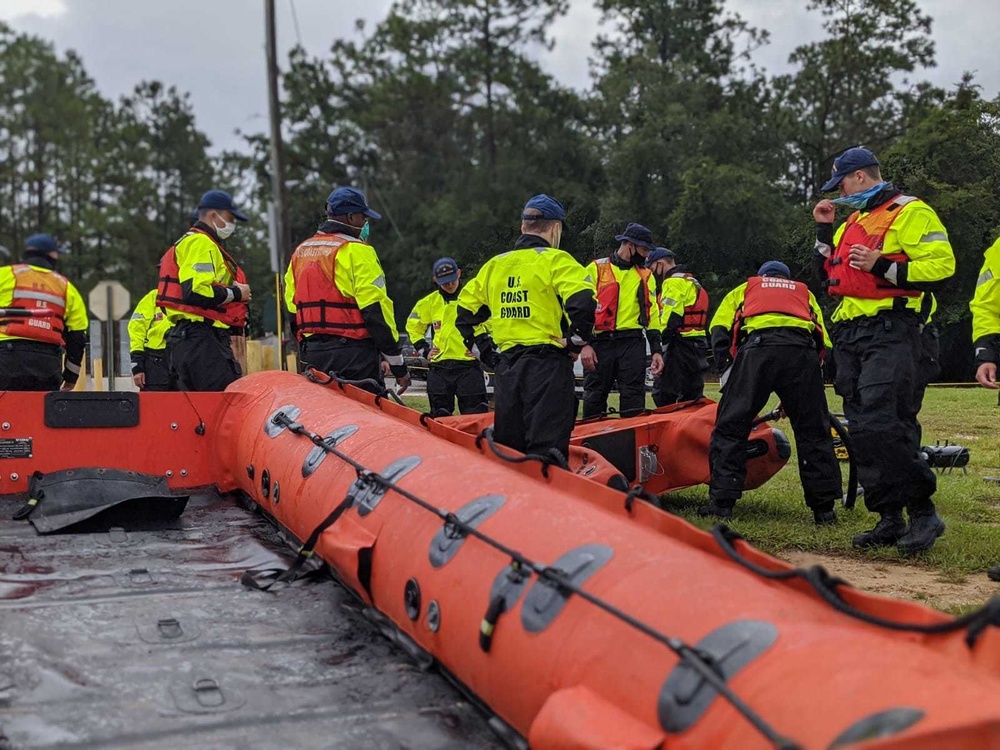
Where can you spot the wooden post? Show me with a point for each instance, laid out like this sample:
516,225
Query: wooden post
269,358
98,375
293,362
81,384
254,358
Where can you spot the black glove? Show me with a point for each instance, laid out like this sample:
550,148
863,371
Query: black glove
489,358
422,348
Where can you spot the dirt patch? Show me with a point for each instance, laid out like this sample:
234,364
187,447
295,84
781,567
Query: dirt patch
902,581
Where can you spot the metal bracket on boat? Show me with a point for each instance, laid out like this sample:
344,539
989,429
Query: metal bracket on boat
271,428
546,599
368,493
317,454
168,630
686,696
205,696
447,542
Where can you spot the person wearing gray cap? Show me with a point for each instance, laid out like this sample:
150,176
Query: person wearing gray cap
768,337
626,320
45,316
335,288
684,316
880,263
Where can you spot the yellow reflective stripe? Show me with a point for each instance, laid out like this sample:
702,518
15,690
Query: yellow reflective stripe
934,237
204,267
985,276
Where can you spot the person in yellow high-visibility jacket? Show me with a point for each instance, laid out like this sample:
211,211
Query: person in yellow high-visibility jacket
454,371
626,320
879,263
147,330
44,317
335,287
769,337
985,306
540,302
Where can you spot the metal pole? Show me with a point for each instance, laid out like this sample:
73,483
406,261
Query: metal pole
277,149
109,346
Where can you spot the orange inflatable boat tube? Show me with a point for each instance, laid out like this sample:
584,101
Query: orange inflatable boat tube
583,624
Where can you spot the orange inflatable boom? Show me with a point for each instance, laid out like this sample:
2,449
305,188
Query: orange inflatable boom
581,624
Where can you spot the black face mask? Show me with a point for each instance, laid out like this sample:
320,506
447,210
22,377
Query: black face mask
637,261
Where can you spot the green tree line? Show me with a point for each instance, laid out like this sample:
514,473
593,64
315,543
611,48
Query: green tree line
443,114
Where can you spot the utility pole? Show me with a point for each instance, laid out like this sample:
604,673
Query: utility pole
281,232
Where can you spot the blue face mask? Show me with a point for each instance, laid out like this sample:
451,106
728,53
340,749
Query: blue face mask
363,235
859,200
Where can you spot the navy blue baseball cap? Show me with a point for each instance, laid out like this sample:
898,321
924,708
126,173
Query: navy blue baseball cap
348,200
659,253
220,200
43,244
445,270
549,207
637,234
774,268
850,161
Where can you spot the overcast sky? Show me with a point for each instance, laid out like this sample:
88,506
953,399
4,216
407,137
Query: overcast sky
215,48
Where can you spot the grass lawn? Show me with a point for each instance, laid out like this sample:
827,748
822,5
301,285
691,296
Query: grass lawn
950,576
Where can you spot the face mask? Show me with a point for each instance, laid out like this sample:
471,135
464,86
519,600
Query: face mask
859,200
226,230
365,230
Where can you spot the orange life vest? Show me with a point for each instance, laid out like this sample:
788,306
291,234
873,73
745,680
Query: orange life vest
774,295
170,295
320,307
608,291
35,289
695,315
868,230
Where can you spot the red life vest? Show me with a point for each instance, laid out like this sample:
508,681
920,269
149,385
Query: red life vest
35,289
608,291
320,307
868,230
774,295
170,295
695,315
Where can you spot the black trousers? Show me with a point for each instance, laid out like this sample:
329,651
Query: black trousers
464,380
535,400
928,369
201,357
794,374
621,359
159,376
878,377
30,366
351,359
685,361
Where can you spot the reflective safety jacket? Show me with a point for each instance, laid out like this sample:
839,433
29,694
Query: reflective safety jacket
335,277
28,287
916,255
320,306
683,304
533,295
768,302
626,298
199,260
148,326
985,306
438,312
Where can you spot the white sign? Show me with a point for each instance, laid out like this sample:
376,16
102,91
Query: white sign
109,294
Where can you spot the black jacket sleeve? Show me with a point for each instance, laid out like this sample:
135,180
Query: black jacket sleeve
76,346
721,341
197,300
466,321
380,332
580,309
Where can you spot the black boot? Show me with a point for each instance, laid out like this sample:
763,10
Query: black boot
825,517
886,533
994,573
716,509
924,529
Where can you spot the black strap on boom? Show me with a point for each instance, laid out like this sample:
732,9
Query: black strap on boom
703,664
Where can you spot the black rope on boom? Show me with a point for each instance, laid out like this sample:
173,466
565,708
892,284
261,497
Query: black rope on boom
553,458
368,384
826,586
701,663
639,492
